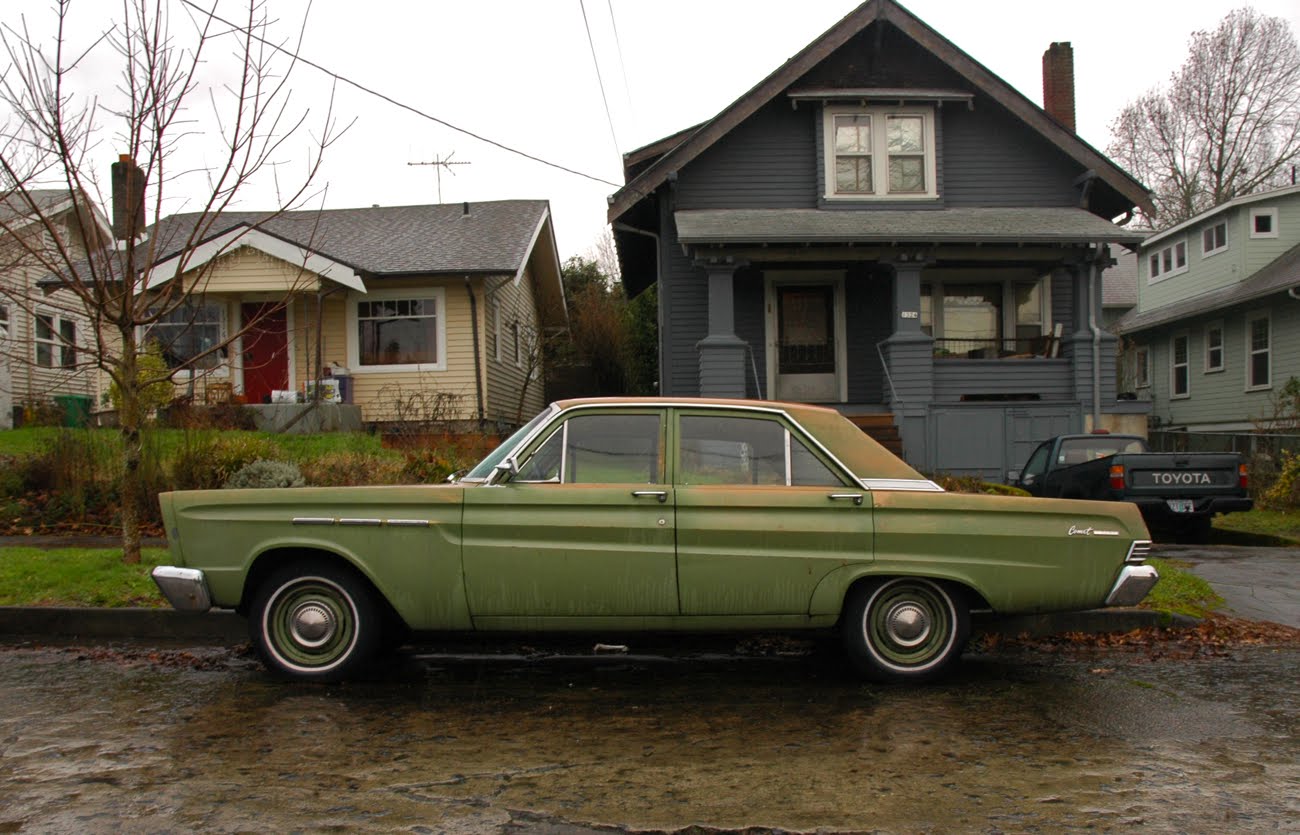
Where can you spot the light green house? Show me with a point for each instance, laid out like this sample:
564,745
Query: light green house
1216,330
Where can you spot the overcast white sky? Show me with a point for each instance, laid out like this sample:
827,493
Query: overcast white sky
521,72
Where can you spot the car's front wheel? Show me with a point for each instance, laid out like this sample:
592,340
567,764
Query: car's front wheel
904,628
315,621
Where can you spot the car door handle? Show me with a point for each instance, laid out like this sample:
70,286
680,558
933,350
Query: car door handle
856,497
661,495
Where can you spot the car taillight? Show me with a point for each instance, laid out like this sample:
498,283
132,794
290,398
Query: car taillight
1117,476
1242,478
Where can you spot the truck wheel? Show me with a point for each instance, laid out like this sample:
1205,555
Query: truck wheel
906,629
315,621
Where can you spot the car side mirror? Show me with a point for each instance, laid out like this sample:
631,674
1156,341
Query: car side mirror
507,467
1027,479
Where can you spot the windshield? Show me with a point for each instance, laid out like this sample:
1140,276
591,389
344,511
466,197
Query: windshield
484,468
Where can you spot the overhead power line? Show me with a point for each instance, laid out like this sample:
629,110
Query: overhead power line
609,117
384,97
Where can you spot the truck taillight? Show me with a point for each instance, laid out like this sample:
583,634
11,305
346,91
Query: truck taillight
1242,478
1117,476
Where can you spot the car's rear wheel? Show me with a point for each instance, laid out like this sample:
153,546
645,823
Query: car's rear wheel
315,621
904,628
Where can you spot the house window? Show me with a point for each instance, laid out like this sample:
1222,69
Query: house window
516,346
1214,239
986,319
4,321
1142,367
1179,378
56,341
1263,223
1213,347
1258,372
880,153
187,335
399,330
1167,261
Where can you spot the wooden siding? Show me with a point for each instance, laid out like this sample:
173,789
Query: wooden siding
1047,378
248,270
504,380
990,158
1220,397
684,299
19,272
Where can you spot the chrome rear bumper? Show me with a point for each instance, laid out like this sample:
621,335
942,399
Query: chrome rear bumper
1133,584
185,588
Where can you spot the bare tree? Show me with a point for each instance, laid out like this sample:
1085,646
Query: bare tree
1228,123
148,272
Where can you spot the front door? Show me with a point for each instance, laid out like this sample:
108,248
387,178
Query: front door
584,529
806,320
266,350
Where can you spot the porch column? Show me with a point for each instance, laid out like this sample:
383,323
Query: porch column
722,353
909,362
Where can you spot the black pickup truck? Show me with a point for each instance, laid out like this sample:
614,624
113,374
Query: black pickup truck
1177,492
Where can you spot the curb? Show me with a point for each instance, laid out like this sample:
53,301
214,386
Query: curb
226,628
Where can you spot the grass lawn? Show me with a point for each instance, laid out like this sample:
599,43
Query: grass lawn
1282,524
78,577
1181,592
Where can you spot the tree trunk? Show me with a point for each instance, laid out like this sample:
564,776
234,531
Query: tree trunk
131,490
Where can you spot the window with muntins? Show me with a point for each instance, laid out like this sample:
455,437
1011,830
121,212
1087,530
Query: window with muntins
56,341
1214,347
188,335
986,319
1180,378
880,153
1215,238
1167,261
1259,349
400,331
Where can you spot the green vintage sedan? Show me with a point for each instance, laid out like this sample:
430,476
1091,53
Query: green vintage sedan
659,514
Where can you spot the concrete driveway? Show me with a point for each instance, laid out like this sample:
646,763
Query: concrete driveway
1256,583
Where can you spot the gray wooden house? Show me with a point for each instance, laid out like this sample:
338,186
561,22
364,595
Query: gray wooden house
885,226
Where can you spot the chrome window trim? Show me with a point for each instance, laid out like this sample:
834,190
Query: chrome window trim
909,485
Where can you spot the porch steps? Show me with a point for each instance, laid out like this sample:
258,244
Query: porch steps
882,429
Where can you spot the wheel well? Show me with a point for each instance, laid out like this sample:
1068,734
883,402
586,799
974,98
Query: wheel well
269,561
974,600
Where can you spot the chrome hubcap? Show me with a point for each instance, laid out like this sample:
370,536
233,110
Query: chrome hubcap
312,624
908,624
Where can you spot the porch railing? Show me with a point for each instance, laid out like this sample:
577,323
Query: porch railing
1028,348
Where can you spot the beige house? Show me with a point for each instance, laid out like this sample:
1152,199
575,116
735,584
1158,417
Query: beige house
412,312
42,331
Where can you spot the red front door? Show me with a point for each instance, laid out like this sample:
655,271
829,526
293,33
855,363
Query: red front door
266,351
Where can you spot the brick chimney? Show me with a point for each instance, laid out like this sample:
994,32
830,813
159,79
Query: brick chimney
128,199
1058,83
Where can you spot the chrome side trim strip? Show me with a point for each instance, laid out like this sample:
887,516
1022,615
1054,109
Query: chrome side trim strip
373,523
408,523
921,485
1138,551
313,520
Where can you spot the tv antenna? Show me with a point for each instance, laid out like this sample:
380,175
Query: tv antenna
439,163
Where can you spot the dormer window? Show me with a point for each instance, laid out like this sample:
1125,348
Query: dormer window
880,153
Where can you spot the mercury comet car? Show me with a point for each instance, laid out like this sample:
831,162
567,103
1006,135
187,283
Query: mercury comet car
622,515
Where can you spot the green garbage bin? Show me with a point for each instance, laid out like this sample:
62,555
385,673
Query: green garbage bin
76,409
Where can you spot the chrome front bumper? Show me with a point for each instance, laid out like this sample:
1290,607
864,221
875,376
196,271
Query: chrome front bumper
1133,584
185,588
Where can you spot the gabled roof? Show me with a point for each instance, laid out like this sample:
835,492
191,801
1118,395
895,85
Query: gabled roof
16,209
1257,197
1280,275
873,11
493,237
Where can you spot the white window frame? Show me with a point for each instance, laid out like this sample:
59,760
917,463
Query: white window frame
1142,367
1167,254
1008,306
438,294
222,367
1251,352
1210,366
1270,213
56,343
496,329
4,321
516,343
1174,394
1207,253
879,152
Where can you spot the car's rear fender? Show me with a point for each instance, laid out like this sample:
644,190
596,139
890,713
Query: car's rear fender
829,596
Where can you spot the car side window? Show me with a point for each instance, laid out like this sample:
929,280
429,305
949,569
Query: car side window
599,449
722,449
1037,464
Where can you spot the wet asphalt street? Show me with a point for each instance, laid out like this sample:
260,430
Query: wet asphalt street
1018,741
1255,583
